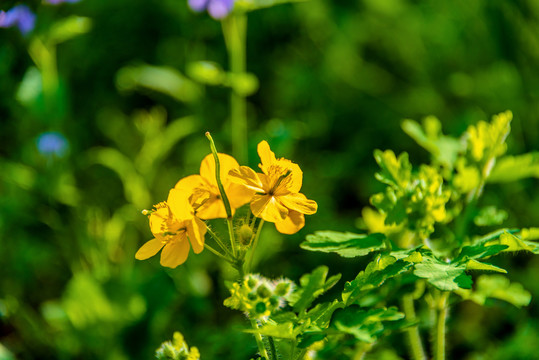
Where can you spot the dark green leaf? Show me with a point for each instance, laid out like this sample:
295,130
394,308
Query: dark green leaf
311,286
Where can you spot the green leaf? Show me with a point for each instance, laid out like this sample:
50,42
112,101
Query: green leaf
345,244
395,172
529,234
69,28
513,168
163,79
443,148
321,314
282,331
364,325
489,216
514,243
444,276
497,287
376,273
476,265
311,286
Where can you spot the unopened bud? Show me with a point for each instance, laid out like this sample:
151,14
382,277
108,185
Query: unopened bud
245,234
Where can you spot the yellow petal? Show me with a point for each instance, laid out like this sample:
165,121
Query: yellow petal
149,249
268,208
267,157
179,204
214,208
175,252
196,229
158,220
238,195
189,183
292,224
226,163
247,177
296,175
299,203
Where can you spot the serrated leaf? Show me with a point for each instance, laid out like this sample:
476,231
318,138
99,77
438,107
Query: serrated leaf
529,234
345,244
476,265
321,314
444,276
395,172
364,325
497,287
376,273
514,243
282,331
311,286
513,168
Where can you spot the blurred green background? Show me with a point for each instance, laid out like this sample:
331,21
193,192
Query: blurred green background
336,79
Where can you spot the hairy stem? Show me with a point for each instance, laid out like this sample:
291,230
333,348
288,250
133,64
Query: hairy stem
414,339
441,317
259,342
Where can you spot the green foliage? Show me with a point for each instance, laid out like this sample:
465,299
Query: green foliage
496,287
513,168
344,244
311,286
365,325
177,349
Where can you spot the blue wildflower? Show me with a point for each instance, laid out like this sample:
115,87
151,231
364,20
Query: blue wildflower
217,9
52,143
20,16
56,2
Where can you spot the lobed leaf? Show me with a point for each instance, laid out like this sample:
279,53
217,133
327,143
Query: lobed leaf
345,244
311,286
395,172
442,275
497,287
512,168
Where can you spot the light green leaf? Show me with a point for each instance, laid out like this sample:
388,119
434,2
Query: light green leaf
206,72
311,286
395,172
476,265
364,325
512,168
530,234
497,287
281,331
376,273
68,28
489,216
444,276
320,315
514,243
163,79
345,244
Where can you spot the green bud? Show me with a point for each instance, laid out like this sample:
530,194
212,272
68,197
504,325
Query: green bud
252,282
260,307
245,234
252,296
274,301
282,289
263,291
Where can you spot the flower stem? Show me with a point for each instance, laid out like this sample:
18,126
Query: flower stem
223,194
255,243
441,317
217,240
216,252
235,32
414,339
259,341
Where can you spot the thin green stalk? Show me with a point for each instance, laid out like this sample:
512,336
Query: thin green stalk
414,338
223,194
217,240
253,247
441,317
235,33
216,252
259,342
273,351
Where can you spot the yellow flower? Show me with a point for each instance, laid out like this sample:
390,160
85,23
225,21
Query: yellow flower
174,226
277,198
204,194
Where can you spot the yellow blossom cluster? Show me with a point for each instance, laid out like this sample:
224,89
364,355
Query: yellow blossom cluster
177,224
